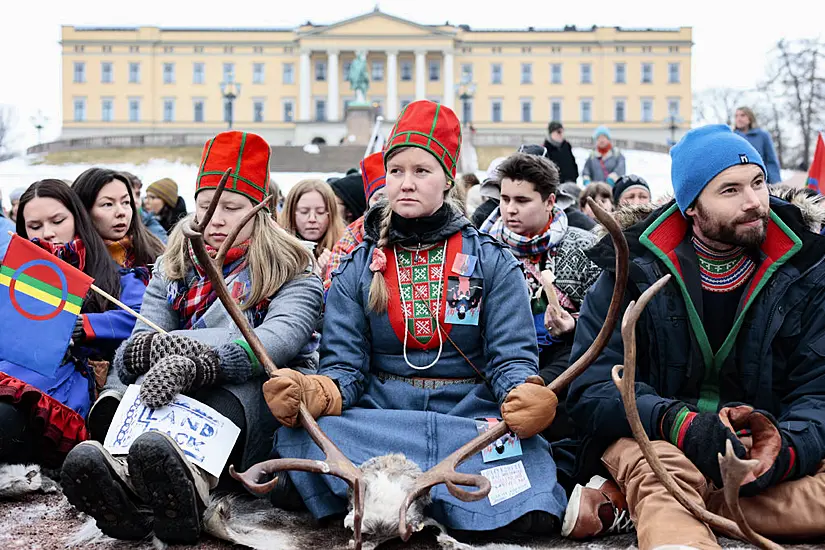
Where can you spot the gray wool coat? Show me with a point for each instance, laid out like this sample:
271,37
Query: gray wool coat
286,332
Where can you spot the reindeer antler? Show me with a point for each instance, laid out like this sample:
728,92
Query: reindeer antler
334,463
445,471
733,469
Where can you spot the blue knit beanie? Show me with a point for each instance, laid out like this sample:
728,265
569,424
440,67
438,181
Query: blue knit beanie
701,155
601,131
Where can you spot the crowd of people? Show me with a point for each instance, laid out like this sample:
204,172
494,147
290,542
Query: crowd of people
405,295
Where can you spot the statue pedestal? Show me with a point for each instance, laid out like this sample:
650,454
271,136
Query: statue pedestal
360,121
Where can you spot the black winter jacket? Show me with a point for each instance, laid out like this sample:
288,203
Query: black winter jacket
563,157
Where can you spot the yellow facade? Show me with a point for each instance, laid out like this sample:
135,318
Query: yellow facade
152,80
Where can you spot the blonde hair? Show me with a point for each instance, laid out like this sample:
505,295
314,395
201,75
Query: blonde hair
275,258
379,293
751,116
287,218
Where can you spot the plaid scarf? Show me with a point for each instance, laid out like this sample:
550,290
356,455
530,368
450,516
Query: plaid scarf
73,253
122,251
521,245
352,237
194,302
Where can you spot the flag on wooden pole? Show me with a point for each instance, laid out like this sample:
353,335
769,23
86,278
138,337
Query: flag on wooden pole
40,299
816,174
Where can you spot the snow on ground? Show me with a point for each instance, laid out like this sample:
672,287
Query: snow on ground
21,172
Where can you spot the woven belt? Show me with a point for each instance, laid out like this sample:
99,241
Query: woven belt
426,383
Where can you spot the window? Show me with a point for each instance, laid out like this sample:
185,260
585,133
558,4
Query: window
134,73
197,73
80,109
228,72
134,49
377,71
647,110
257,73
619,49
134,110
79,72
405,102
647,73
466,72
555,110
106,72
198,49
555,49
586,73
620,73
106,49
496,110
258,110
673,49
526,49
526,110
168,110
619,110
320,109
168,73
673,73
555,73
197,106
673,107
258,49
586,110
168,49
228,49
289,110
434,69
526,73
289,73
647,49
79,49
320,71
467,110
106,109
585,49
495,72
406,71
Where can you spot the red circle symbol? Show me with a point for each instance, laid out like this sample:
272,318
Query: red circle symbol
51,315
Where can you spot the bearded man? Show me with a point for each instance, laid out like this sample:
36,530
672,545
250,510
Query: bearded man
732,349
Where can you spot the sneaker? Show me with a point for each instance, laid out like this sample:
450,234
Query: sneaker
599,508
97,484
176,490
102,413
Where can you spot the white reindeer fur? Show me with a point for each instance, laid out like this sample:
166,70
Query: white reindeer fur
17,480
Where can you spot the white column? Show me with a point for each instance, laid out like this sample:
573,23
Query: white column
420,74
449,86
332,85
304,87
392,84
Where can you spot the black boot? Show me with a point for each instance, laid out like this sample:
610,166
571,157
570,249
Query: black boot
176,490
97,484
285,496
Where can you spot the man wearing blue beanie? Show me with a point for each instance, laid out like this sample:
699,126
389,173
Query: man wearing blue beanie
730,351
606,163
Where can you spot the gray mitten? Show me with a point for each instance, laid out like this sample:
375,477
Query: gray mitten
176,374
143,350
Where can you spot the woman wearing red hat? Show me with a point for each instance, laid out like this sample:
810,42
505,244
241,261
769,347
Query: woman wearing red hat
203,353
424,345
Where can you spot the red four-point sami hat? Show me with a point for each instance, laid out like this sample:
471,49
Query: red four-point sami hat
373,173
429,126
248,156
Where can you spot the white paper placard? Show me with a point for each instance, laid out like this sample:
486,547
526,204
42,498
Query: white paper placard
507,481
202,433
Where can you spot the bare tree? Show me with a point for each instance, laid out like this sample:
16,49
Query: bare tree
797,74
716,105
773,117
8,122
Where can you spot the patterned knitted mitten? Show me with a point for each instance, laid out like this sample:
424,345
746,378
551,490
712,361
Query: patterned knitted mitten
142,351
176,374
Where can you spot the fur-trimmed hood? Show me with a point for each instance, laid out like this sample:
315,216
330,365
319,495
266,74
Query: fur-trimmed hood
810,204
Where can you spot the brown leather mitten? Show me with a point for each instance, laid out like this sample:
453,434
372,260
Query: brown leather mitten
529,408
285,393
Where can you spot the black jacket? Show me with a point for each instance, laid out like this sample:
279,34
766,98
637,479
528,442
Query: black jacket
775,359
563,157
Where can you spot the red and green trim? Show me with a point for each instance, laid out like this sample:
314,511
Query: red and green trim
684,418
662,238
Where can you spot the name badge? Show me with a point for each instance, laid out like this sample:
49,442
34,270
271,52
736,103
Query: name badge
463,300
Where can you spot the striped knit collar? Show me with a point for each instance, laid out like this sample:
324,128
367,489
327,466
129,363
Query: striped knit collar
722,271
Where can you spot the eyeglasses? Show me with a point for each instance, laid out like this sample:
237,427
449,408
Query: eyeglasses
536,150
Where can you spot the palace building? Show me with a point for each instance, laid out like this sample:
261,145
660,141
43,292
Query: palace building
289,85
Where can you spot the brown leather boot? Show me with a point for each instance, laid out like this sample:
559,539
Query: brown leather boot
599,508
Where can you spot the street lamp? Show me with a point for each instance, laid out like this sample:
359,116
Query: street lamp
466,90
230,90
39,121
672,123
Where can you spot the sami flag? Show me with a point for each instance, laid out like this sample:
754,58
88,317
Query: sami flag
40,299
816,174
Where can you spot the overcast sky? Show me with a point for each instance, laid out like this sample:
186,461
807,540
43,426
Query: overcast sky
731,38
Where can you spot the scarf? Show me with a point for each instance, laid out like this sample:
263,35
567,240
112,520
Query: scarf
523,246
723,271
424,230
604,150
193,303
122,251
73,252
